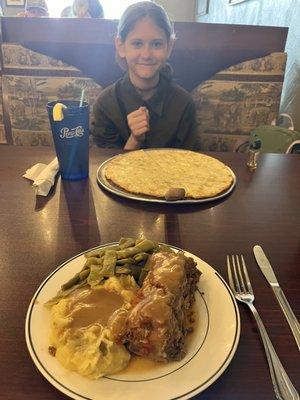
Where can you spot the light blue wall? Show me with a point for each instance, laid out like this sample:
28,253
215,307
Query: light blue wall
269,13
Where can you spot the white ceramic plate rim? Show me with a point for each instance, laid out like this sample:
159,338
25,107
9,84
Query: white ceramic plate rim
101,179
68,391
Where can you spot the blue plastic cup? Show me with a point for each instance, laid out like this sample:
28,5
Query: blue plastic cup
71,139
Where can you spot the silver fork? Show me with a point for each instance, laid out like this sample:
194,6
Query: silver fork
241,287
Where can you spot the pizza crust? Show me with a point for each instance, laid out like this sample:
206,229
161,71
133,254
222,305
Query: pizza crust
154,172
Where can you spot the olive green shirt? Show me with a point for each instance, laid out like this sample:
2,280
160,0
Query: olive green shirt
171,110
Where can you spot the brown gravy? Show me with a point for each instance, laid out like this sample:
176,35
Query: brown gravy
93,306
140,364
144,365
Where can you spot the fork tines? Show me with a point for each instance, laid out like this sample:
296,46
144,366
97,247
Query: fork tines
238,274
240,285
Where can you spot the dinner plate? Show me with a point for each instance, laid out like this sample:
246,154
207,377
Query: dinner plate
210,347
108,185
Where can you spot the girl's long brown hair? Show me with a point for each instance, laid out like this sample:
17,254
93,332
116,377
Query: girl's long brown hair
135,13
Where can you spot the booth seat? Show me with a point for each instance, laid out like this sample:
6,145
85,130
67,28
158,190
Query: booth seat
235,101
234,73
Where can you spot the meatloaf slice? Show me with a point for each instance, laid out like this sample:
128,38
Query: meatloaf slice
157,324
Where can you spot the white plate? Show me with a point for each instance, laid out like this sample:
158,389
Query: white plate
101,179
210,347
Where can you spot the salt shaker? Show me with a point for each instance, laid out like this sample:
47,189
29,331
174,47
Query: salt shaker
253,154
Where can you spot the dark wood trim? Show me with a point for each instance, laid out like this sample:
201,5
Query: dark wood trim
247,78
101,31
57,30
41,72
6,116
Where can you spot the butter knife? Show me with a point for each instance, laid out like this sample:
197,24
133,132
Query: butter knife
268,272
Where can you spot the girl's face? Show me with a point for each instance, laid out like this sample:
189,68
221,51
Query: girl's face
145,49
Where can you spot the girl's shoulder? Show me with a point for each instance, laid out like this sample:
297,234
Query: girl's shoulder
107,98
108,91
179,94
179,89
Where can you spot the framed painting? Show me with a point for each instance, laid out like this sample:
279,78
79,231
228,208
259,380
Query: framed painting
233,2
16,3
202,7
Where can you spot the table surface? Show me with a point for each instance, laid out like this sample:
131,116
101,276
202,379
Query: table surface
38,234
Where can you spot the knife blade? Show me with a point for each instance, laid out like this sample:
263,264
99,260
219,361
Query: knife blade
265,265
270,276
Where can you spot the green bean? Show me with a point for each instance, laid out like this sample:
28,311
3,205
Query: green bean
144,246
100,252
125,261
126,242
142,276
84,274
147,264
71,282
64,293
165,248
140,257
95,276
123,270
93,261
126,253
94,253
110,259
135,271
130,256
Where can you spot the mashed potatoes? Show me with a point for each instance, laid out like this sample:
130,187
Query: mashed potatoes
80,332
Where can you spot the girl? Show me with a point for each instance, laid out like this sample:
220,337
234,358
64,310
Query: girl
145,108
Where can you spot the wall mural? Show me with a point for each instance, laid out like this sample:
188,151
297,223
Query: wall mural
28,95
16,56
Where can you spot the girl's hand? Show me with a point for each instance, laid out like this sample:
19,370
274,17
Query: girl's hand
138,122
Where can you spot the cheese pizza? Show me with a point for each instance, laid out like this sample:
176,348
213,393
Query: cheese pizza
155,172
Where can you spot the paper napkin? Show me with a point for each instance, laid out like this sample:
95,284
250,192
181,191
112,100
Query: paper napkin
43,176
